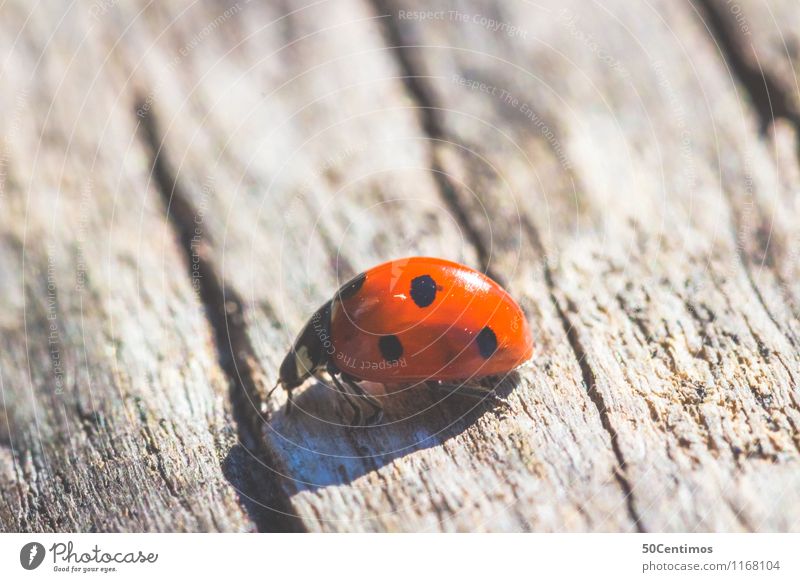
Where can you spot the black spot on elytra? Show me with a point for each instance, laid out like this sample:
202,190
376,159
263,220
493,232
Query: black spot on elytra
351,287
390,347
487,342
423,290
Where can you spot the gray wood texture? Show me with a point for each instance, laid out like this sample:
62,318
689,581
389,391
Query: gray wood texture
115,409
184,184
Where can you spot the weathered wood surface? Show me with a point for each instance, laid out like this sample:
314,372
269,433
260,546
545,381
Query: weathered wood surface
115,413
210,172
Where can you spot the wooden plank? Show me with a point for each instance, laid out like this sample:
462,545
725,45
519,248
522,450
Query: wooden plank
114,412
759,43
652,234
598,159
321,167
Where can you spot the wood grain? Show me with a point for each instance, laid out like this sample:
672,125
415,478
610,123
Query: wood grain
621,168
114,413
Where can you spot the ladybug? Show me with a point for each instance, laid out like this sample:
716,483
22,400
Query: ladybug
414,320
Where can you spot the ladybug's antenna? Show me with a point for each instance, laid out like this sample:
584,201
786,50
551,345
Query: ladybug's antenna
278,383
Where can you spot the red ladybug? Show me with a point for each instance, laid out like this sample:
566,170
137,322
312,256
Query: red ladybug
410,321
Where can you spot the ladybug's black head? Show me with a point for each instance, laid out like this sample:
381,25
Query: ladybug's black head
288,376
310,350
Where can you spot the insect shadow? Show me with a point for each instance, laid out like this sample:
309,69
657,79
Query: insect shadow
317,449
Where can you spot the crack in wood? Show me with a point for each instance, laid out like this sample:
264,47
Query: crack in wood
152,449
257,482
770,100
590,383
412,79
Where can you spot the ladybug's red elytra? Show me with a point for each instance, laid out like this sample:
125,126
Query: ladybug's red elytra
414,320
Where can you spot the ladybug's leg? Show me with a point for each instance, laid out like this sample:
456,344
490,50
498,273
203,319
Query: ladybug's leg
377,409
289,402
327,377
357,415
477,391
489,382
